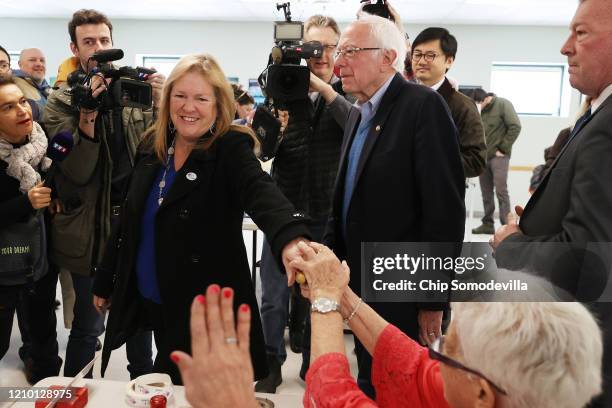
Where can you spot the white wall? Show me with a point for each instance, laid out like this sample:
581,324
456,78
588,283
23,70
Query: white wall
242,49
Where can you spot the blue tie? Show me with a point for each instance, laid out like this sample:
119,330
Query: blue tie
353,161
581,121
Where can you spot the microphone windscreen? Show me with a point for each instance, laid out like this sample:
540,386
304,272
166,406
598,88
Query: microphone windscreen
60,146
107,55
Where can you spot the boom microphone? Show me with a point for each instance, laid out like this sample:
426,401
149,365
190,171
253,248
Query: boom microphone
107,55
59,148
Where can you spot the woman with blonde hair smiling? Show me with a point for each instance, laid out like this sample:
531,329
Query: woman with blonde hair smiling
181,223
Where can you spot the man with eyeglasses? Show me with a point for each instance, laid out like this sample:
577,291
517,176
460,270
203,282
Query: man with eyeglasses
433,55
5,62
400,175
304,169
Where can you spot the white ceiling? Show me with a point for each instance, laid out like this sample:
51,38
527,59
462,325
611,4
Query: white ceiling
513,12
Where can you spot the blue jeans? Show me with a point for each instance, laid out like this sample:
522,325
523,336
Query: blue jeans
274,304
275,300
139,354
88,325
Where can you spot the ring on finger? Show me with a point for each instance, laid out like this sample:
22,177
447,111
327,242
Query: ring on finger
231,340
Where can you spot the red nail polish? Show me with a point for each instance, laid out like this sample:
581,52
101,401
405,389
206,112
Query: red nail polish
201,299
215,288
174,357
244,308
227,293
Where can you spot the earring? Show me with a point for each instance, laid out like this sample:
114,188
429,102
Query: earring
171,128
211,130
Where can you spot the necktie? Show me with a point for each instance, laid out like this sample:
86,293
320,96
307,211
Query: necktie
353,161
580,122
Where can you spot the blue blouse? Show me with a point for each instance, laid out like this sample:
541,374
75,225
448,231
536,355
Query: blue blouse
146,270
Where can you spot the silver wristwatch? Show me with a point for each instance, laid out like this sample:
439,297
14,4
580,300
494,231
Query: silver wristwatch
324,305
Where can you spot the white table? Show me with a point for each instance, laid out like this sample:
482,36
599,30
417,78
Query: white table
249,225
106,393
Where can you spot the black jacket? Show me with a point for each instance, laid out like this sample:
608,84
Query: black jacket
567,226
306,163
198,240
409,185
469,125
14,205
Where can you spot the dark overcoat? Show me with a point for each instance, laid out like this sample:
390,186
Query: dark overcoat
198,240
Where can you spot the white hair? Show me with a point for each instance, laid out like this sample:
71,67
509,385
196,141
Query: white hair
386,36
543,355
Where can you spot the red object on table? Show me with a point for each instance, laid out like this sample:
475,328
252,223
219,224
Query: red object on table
158,401
78,400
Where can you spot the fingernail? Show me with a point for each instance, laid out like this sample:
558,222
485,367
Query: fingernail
227,293
215,288
201,299
174,357
244,308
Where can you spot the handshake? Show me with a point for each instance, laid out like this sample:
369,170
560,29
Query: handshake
316,269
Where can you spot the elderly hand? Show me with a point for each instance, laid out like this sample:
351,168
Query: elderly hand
430,325
506,230
219,374
39,196
157,83
290,253
326,276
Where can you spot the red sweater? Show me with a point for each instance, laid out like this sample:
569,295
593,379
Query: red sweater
402,373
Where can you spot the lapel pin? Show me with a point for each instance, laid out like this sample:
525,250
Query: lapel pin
378,128
191,176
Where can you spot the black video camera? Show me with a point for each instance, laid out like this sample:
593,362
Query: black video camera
126,89
379,8
285,80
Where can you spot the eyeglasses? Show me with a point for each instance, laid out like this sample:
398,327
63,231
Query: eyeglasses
329,47
351,51
429,56
4,65
435,353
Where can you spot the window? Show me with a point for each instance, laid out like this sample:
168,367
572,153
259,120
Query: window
533,89
162,63
14,59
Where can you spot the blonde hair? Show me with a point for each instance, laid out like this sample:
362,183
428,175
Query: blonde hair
544,355
211,72
319,20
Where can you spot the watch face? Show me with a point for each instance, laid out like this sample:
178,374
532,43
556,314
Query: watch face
324,305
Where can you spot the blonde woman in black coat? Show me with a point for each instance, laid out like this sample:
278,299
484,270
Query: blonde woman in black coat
181,224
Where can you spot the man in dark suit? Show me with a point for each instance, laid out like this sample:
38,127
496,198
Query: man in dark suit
565,230
400,177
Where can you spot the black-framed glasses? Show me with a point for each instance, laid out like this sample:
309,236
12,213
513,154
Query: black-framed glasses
435,353
429,56
351,51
